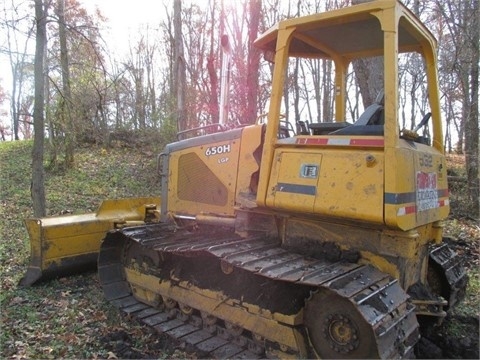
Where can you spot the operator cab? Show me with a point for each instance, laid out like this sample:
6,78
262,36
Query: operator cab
341,153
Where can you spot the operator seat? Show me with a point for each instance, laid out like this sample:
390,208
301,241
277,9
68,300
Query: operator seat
373,115
370,122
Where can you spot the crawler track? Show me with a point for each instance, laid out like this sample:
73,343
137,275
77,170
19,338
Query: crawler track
230,297
447,274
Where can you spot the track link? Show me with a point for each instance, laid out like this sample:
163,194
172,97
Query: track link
447,275
319,322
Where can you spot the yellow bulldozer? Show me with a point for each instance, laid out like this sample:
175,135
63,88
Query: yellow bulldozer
271,241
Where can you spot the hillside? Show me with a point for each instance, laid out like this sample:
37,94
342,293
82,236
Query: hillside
68,318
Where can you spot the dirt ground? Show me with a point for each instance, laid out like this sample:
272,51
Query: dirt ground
440,344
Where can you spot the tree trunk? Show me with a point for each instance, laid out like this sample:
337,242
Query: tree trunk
139,97
369,74
179,66
471,126
18,63
213,105
50,122
15,103
253,61
327,87
213,100
38,188
66,112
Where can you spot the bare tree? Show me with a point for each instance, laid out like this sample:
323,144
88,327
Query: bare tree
212,60
140,66
136,68
461,58
472,13
4,129
38,188
180,81
66,99
18,34
369,73
253,59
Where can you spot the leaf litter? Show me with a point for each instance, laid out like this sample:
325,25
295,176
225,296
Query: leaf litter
68,318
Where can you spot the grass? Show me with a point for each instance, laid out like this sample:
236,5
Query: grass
64,318
470,305
68,318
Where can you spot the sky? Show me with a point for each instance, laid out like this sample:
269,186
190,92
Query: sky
123,19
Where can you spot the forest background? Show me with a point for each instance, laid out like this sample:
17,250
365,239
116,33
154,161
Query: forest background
166,77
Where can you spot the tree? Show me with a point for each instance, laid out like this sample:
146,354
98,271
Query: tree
140,70
368,73
213,104
472,14
136,69
76,79
66,97
4,129
38,188
460,50
253,60
179,67
18,35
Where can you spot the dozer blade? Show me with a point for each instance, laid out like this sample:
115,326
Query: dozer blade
66,245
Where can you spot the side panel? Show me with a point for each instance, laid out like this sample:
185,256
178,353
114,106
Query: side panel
205,175
351,185
332,182
249,160
202,177
419,194
294,185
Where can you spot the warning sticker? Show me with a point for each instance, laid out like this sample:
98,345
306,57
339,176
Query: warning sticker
427,195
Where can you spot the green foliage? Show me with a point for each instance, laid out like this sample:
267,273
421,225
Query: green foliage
469,306
15,175
168,130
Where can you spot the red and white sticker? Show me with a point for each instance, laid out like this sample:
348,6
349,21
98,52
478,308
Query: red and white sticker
337,141
427,194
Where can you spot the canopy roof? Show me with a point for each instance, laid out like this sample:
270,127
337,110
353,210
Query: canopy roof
350,32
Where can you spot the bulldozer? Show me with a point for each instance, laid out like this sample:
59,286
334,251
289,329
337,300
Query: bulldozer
322,241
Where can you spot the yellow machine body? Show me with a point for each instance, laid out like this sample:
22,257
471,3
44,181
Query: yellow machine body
207,175
343,177
70,243
321,188
370,177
